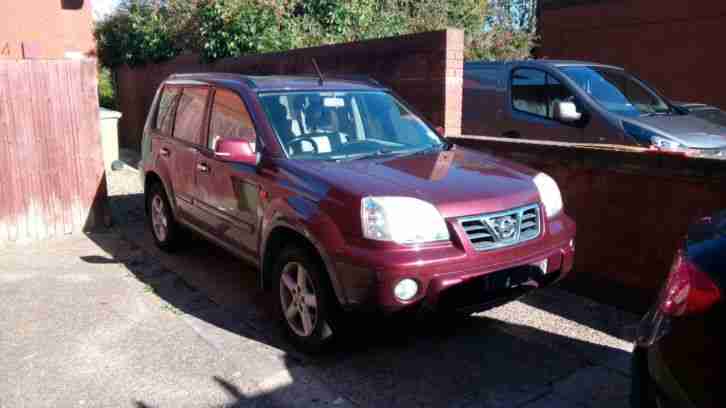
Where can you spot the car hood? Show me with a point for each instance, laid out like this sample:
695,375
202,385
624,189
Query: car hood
689,130
458,182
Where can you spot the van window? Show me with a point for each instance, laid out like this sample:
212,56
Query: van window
536,92
190,114
529,91
617,91
165,114
229,117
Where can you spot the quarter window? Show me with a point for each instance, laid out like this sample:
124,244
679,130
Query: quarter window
190,114
165,113
536,92
230,118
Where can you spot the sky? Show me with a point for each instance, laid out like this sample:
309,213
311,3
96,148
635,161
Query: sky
102,7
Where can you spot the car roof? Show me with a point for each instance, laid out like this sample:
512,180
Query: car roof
553,63
267,83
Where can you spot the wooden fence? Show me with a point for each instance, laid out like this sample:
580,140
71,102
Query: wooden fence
52,179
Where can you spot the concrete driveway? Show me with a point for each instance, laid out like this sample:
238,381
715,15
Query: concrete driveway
108,320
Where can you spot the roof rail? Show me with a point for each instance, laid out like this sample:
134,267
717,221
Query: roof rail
357,77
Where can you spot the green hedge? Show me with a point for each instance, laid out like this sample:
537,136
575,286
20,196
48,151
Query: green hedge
144,31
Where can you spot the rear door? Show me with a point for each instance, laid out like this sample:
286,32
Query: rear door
532,96
162,128
184,148
229,192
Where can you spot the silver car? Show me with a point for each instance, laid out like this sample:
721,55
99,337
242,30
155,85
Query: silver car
582,102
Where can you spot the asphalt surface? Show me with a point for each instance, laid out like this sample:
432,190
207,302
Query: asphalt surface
108,320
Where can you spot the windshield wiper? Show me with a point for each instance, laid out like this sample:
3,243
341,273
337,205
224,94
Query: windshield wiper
357,156
430,149
669,112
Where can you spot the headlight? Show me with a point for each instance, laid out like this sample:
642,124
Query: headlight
667,144
650,138
549,193
404,220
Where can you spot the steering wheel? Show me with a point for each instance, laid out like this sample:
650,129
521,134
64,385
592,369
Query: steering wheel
300,139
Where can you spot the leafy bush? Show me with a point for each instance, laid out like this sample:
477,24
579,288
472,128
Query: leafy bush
106,89
143,31
230,28
136,34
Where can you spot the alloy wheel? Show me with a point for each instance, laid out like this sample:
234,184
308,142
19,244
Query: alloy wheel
299,301
159,218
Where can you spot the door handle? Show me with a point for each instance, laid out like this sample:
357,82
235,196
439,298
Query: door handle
164,152
202,168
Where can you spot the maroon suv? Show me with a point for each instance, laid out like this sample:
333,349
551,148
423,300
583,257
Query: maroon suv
344,198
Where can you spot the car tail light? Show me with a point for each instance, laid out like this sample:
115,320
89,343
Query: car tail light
689,290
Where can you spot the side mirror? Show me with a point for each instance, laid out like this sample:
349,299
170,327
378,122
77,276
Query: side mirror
236,150
566,111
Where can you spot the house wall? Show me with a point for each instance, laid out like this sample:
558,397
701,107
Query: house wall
425,69
674,45
51,165
45,28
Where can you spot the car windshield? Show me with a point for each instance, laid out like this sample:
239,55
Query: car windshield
617,91
345,125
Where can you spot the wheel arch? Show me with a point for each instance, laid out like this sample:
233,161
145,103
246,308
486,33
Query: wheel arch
281,234
151,178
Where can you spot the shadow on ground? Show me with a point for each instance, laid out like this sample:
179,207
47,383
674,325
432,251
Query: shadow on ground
475,361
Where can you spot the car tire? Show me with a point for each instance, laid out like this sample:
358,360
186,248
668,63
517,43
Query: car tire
160,218
304,299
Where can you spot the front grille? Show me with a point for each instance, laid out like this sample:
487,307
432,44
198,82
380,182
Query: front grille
497,230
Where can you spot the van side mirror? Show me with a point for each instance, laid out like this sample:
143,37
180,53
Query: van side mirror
566,111
236,150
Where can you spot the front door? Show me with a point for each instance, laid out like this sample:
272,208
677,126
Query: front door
229,191
532,96
184,148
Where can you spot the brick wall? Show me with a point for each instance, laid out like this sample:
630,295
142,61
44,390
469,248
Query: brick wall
632,210
425,69
676,46
45,29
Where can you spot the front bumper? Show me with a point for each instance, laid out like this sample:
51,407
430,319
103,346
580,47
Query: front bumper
455,275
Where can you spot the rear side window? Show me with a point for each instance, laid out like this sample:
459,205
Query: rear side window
230,118
536,92
165,113
190,114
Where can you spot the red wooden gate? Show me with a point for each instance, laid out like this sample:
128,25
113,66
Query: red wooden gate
51,166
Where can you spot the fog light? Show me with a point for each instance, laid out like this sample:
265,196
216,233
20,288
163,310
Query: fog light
406,289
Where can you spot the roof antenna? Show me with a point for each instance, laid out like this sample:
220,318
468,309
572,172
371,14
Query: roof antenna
317,71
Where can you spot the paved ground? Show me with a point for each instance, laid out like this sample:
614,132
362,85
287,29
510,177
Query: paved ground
108,320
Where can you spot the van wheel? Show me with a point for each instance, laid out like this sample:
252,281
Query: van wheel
164,227
306,304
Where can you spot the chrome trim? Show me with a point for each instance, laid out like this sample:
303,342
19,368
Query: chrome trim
488,230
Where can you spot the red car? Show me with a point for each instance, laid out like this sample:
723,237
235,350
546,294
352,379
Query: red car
344,198
679,357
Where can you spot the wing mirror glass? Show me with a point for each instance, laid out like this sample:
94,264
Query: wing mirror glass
566,111
236,150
